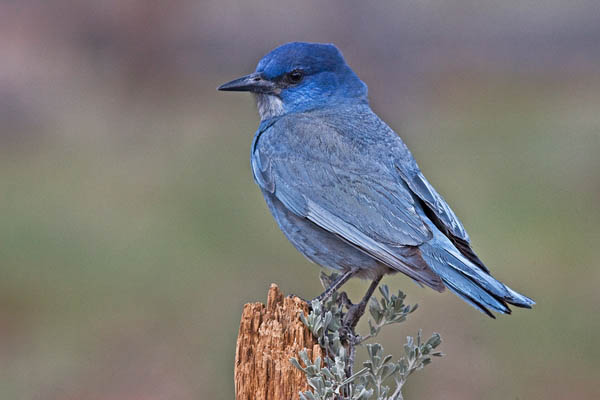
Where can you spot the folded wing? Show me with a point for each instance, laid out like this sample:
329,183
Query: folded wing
342,192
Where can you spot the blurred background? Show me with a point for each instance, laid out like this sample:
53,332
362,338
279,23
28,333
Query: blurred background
131,232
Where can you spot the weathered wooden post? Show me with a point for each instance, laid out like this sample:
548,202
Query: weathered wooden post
268,337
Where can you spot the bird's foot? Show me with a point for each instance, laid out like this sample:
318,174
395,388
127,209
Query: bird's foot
307,302
344,300
353,315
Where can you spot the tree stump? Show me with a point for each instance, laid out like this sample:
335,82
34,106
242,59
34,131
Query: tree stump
268,337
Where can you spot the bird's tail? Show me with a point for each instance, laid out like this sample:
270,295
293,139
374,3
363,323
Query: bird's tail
469,282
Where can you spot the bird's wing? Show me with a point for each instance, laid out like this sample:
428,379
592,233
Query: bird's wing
438,211
420,186
324,176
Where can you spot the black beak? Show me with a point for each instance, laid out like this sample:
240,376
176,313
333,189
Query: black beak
250,83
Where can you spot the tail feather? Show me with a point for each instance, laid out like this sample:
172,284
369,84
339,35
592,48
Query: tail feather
519,300
467,280
478,293
472,302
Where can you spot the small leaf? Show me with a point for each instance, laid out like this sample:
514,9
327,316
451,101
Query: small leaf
296,364
435,340
310,396
304,357
305,396
327,373
385,291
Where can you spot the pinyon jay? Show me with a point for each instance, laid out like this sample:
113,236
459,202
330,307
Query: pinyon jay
345,189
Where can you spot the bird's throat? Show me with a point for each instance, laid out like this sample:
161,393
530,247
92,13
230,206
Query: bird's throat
269,105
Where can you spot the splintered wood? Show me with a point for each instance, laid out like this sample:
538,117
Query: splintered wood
269,336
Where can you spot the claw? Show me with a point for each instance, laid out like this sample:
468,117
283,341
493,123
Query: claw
344,300
308,303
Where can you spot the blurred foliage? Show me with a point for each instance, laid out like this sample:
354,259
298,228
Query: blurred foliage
333,377
131,232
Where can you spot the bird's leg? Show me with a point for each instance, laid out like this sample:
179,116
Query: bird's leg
335,285
342,297
357,310
349,323
344,300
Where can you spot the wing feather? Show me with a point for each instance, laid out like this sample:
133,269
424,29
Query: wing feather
351,196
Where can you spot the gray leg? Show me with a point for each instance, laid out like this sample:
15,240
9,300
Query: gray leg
335,285
351,319
357,310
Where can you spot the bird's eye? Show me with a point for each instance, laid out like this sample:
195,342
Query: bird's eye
295,76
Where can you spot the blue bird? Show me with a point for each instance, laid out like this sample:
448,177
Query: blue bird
345,189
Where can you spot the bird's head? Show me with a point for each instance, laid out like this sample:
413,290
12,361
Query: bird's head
298,77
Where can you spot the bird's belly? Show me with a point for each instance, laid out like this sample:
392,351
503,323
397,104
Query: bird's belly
321,246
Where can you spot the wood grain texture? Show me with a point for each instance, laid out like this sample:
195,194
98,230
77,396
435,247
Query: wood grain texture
269,336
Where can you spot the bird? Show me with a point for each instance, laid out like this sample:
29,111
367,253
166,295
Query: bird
346,190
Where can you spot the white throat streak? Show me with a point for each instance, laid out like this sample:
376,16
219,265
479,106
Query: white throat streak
269,105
